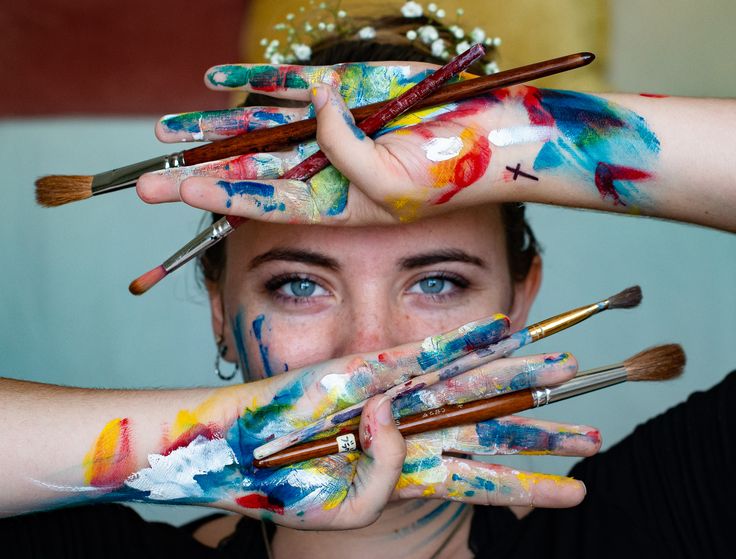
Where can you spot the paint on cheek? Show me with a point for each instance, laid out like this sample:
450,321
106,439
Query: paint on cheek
110,461
262,347
239,335
260,193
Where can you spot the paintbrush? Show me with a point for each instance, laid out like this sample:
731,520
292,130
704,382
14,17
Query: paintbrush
626,299
658,363
310,166
56,190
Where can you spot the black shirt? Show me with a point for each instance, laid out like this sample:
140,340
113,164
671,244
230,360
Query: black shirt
666,490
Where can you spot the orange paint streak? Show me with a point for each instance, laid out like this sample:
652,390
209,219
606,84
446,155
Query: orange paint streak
465,169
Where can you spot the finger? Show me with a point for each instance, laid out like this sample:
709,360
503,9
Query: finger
359,83
217,125
378,468
281,81
521,435
487,484
163,186
491,379
354,153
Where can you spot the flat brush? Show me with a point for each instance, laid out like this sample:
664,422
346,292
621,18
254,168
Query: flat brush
310,166
628,298
658,363
57,190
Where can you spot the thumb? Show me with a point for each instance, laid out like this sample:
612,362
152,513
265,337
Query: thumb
379,467
343,142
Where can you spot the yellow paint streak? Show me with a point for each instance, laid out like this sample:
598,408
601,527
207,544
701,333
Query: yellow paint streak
105,463
527,480
406,209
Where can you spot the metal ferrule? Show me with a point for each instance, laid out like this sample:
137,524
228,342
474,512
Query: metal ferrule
123,177
565,320
583,384
213,234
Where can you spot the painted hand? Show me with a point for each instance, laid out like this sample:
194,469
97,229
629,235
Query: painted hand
208,454
476,151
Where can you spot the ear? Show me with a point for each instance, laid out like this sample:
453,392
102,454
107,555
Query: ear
220,324
525,292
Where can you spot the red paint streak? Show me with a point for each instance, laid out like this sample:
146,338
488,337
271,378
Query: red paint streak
189,435
468,168
368,434
607,173
654,95
256,501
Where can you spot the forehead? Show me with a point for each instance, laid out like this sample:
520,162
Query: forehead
474,230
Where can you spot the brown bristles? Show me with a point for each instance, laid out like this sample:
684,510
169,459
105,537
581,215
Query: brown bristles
145,282
57,190
662,362
627,299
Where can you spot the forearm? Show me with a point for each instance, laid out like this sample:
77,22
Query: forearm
65,445
664,157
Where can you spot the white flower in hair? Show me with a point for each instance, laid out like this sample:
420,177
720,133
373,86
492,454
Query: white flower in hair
428,34
462,47
457,31
341,14
438,47
432,7
367,33
477,35
440,13
411,34
301,51
491,68
277,58
308,27
411,9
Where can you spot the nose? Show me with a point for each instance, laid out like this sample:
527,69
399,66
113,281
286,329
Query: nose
367,327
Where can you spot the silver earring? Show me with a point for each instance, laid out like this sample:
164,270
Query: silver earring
221,351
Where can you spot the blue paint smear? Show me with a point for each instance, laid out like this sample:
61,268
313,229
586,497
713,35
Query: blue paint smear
262,348
421,464
528,378
595,131
447,350
251,188
239,335
276,118
350,121
519,437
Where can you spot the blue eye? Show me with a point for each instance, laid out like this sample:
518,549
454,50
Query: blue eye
432,286
302,288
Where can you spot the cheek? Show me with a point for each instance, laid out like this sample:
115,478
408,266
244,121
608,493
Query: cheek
269,344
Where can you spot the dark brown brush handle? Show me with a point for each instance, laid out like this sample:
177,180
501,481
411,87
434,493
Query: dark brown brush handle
281,137
439,418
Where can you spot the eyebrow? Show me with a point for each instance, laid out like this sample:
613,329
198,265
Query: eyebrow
438,256
295,255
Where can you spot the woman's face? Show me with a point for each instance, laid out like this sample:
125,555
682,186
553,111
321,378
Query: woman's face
297,295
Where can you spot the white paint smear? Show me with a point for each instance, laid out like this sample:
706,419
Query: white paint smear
442,149
172,476
502,137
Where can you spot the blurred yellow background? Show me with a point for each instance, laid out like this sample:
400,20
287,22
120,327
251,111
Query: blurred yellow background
531,30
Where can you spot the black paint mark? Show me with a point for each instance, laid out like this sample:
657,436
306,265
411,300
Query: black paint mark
518,172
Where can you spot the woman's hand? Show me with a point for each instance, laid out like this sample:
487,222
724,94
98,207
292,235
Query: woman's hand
351,489
621,153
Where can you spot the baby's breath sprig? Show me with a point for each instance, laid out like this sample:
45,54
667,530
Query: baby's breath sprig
323,20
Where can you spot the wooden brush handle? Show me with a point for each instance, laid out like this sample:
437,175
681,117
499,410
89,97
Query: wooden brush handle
439,418
282,137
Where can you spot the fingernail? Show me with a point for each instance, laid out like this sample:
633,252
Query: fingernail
319,96
384,415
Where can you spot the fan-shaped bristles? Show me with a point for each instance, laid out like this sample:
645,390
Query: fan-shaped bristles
627,299
661,362
57,190
145,282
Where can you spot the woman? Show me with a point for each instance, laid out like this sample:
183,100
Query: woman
283,298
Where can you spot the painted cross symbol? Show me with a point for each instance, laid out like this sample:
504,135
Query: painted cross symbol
517,171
